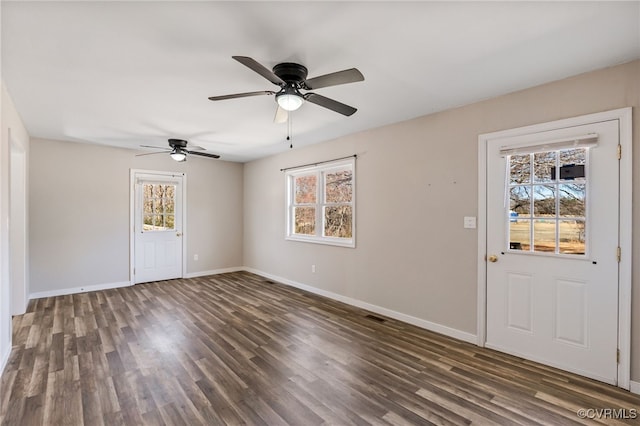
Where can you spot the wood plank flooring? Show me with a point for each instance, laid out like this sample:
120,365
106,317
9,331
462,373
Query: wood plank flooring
239,349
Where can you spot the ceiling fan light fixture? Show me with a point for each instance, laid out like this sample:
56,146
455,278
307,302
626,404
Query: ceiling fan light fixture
289,102
178,155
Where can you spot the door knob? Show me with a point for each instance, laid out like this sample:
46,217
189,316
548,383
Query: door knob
492,258
179,234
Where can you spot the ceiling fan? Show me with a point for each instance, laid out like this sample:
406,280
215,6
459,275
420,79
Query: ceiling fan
178,150
292,78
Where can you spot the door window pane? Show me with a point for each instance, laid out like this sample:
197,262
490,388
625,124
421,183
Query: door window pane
148,206
158,207
520,201
170,221
543,165
170,206
571,236
544,235
520,234
577,156
171,192
157,221
520,168
544,203
572,200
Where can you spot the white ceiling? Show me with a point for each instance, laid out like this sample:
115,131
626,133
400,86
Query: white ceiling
131,73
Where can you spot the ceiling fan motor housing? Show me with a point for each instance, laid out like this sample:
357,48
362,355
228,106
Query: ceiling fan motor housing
291,73
177,143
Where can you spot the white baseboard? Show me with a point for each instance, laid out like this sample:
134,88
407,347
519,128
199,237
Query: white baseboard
214,272
74,290
428,325
107,286
634,387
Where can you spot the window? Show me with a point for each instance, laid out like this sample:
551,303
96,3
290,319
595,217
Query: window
158,213
320,204
548,202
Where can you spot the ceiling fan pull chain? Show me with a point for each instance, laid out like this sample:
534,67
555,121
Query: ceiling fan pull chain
290,129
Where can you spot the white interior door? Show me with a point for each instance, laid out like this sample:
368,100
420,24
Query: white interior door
552,245
158,227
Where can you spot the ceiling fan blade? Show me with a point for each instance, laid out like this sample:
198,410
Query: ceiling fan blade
241,95
340,77
202,154
155,147
281,115
259,68
151,153
331,104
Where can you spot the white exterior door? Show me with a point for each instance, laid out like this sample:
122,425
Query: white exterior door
158,227
552,245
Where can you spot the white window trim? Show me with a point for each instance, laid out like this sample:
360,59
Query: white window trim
318,238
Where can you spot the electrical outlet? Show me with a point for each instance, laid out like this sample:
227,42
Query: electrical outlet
195,257
313,269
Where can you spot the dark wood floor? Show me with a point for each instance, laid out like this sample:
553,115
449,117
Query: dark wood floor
239,349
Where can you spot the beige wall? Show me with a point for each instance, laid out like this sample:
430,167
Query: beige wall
416,181
13,131
79,217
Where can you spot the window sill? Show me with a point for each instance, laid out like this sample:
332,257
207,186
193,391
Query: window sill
339,242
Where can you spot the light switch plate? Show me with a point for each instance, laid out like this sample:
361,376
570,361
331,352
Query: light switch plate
470,222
